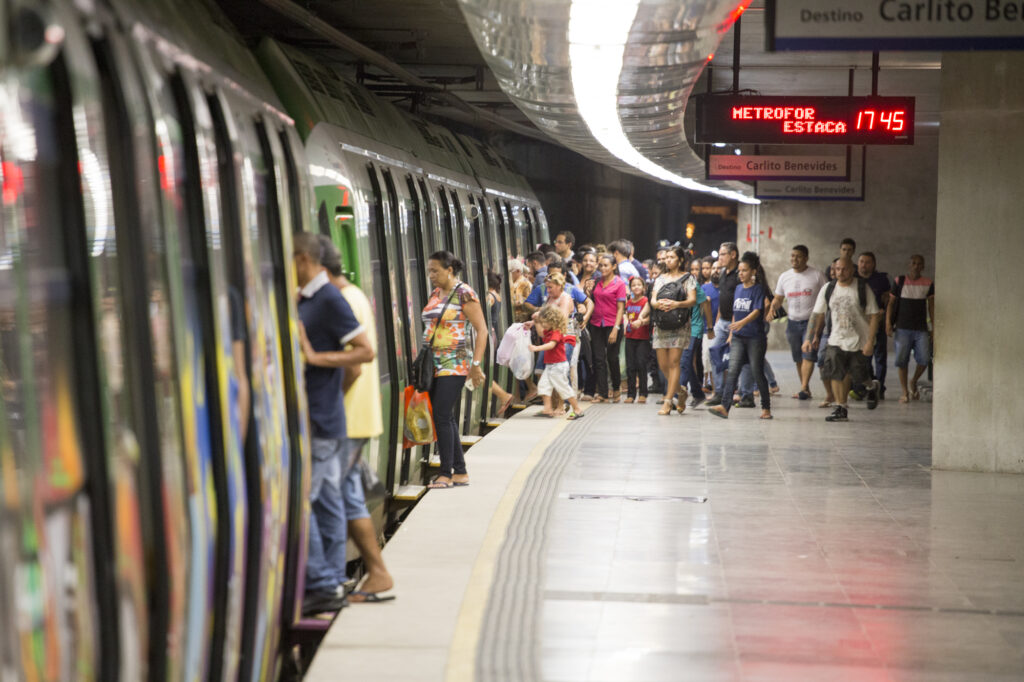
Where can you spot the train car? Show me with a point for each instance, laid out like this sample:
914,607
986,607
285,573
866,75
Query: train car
154,438
392,188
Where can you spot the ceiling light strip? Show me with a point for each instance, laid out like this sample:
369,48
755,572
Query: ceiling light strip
598,33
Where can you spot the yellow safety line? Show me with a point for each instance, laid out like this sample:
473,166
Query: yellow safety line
462,652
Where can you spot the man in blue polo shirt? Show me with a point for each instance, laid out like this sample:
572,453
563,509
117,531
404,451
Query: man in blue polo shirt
328,324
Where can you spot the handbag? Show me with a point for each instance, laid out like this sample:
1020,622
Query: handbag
421,375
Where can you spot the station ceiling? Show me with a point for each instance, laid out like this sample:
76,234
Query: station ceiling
430,38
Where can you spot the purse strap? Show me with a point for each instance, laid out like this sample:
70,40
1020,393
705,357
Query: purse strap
440,317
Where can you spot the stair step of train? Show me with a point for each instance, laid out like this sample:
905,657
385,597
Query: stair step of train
411,493
494,422
435,462
470,441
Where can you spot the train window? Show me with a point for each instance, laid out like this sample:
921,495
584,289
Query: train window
446,213
460,230
429,226
417,252
294,187
409,306
531,228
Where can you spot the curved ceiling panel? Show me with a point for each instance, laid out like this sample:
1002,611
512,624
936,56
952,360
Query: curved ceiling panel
608,78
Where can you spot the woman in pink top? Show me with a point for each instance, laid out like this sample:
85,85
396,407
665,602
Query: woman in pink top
609,303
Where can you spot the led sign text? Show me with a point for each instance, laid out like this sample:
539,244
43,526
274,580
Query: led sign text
805,120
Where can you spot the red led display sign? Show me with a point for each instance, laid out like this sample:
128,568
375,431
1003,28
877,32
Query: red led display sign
746,119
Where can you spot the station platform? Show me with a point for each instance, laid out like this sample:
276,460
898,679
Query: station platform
633,546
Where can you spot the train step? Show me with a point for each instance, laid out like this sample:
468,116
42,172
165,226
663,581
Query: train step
470,441
411,493
494,422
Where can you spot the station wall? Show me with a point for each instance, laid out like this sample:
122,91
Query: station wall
895,220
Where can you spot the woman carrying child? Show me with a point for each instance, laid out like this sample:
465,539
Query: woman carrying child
638,340
551,325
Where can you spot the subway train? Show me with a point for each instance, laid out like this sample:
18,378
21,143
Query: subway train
154,438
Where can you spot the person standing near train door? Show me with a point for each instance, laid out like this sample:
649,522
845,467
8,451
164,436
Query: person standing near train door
328,325
363,421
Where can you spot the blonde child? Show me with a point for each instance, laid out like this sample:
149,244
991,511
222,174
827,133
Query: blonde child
551,325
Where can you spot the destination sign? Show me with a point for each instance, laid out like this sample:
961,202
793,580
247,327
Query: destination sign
746,119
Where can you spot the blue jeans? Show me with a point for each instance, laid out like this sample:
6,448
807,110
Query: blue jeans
747,379
910,340
445,396
744,351
328,532
717,351
796,330
687,373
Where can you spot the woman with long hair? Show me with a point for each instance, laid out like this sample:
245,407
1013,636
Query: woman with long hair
747,334
588,272
672,297
452,307
609,296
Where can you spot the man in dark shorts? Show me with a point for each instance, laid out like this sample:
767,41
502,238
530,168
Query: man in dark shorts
855,317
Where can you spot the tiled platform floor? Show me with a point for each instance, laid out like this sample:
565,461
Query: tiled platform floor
823,552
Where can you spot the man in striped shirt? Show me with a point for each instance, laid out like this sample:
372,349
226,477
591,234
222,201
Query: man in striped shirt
911,305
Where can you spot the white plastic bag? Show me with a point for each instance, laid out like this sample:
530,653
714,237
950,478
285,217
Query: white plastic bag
508,342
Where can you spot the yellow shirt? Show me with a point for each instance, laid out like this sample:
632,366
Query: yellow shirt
362,402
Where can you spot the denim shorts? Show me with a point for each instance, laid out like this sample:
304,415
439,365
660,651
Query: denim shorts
327,464
908,340
352,493
796,330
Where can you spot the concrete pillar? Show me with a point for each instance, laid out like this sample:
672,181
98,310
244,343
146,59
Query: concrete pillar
979,310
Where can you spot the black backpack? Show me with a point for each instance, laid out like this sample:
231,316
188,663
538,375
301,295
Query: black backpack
862,293
677,318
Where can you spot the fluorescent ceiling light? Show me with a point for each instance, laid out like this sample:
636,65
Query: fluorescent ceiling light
598,32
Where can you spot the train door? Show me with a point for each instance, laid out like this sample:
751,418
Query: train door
531,228
285,214
246,187
417,252
403,219
463,227
389,327
431,220
159,363
487,261
448,221
60,591
222,321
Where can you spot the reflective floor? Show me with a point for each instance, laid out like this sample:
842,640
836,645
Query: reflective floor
822,552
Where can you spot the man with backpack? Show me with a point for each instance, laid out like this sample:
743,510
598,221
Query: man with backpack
854,314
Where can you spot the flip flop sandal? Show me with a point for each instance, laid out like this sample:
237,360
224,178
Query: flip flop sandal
504,407
827,403
767,417
460,484
440,485
575,415
370,597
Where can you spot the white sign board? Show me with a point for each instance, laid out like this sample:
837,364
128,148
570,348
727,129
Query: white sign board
732,167
895,25
817,190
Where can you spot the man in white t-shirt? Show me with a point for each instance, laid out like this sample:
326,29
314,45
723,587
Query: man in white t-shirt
798,287
851,343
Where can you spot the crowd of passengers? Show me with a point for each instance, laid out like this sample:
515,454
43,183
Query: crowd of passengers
694,327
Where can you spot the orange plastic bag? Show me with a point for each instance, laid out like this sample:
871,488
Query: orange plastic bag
419,419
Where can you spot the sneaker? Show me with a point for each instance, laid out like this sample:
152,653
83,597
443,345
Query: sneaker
746,401
322,602
838,415
873,394
697,400
713,400
856,395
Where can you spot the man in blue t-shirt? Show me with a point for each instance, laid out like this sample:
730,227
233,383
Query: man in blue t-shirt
328,325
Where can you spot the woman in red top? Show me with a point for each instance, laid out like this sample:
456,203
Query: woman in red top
609,304
637,324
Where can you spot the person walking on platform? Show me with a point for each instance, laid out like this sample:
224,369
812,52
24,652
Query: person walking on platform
637,324
798,287
328,325
551,325
728,259
748,334
691,370
452,307
672,298
911,305
709,269
609,295
879,284
853,313
364,420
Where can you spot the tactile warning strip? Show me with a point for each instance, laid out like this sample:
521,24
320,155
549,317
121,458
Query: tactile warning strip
509,636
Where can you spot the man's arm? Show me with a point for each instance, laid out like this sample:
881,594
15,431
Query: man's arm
361,351
774,308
